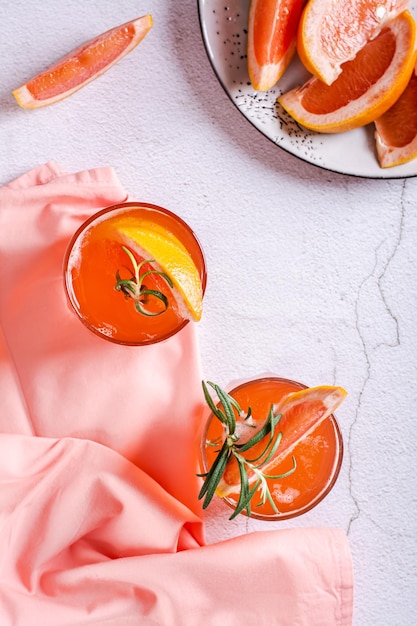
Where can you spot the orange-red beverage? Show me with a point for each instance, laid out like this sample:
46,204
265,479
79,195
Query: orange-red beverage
97,264
318,456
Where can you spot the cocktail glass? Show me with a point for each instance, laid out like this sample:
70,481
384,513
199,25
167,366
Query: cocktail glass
93,261
318,456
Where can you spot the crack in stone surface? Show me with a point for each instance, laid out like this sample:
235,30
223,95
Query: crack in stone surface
367,350
382,274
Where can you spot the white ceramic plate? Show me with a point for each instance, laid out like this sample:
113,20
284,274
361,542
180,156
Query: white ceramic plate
223,26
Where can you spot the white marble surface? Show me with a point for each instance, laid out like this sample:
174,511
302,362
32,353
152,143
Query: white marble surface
311,273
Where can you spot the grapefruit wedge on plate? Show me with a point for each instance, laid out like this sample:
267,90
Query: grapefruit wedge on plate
396,130
367,87
82,65
272,28
331,33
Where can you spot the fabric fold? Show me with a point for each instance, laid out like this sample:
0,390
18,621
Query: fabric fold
99,446
89,538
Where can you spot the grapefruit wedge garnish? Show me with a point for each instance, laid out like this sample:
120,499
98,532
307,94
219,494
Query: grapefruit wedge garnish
331,33
301,412
272,28
167,254
396,130
82,65
367,86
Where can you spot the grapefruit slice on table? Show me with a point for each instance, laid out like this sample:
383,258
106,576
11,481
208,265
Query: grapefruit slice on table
272,28
82,65
331,32
396,130
152,241
367,87
301,411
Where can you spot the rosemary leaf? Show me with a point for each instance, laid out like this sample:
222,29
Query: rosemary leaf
127,287
269,444
285,474
225,399
232,401
212,470
270,422
164,276
230,447
214,476
133,287
157,294
244,502
214,483
270,499
273,449
217,412
141,309
244,486
131,257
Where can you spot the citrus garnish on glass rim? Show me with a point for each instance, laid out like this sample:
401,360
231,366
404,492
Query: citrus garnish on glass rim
129,263
172,259
252,451
232,448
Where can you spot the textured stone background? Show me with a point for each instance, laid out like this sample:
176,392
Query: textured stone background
311,273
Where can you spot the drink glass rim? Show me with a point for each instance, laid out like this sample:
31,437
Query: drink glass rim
332,478
110,209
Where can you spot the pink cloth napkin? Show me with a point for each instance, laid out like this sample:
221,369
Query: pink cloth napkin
99,517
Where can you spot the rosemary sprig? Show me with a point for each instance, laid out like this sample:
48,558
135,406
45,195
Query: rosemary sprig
230,447
135,288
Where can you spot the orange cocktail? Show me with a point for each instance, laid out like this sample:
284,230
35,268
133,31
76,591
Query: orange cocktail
117,286
306,474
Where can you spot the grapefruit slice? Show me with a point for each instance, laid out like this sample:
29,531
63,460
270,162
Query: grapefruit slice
367,87
396,130
331,33
82,65
153,241
302,411
272,28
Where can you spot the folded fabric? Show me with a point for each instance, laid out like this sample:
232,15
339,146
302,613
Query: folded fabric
142,403
100,522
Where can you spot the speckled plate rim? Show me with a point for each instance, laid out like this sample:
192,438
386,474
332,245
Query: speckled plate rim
223,29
